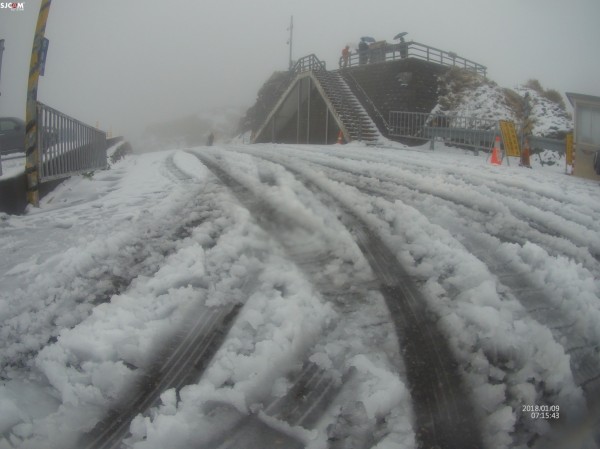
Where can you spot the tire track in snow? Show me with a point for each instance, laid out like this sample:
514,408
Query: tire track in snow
546,221
371,155
541,201
100,278
185,365
273,426
309,397
522,231
443,416
185,357
556,315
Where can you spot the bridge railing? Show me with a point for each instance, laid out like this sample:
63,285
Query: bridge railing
308,63
383,51
66,145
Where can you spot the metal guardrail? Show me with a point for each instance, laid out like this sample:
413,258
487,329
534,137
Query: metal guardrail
470,132
66,145
308,63
383,51
536,142
462,131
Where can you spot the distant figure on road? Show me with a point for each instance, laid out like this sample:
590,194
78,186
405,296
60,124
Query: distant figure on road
363,52
345,56
210,140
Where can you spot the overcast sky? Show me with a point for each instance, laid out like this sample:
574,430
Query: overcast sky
126,63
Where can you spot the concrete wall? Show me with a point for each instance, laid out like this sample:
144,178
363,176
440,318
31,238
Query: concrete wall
13,193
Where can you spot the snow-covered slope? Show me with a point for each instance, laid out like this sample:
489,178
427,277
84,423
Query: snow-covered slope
463,93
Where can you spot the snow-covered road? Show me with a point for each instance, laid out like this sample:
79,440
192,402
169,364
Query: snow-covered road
303,296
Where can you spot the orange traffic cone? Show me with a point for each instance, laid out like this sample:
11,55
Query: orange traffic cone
340,139
496,153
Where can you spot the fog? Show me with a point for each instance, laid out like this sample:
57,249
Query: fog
122,65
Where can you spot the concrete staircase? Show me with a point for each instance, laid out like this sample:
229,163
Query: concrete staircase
357,122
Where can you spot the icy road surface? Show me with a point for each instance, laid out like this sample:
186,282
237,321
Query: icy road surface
303,297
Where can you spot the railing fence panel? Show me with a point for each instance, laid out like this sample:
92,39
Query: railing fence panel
470,132
391,52
66,145
463,131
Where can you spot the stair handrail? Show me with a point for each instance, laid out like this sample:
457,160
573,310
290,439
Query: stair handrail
308,63
366,96
347,108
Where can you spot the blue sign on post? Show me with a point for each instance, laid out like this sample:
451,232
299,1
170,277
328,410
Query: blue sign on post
43,53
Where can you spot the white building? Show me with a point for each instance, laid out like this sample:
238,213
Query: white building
586,135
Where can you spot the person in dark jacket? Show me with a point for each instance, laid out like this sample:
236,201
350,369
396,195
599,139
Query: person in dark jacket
403,48
210,140
363,52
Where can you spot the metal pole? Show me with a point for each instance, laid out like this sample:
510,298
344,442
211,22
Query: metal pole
31,128
308,113
291,40
273,129
298,111
327,125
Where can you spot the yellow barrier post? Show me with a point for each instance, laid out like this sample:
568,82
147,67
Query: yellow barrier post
570,156
31,143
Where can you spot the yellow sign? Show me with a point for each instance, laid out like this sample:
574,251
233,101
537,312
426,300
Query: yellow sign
509,137
569,143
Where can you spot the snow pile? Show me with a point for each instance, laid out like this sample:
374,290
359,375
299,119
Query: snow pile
547,157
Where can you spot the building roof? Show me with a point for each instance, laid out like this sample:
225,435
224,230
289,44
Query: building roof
582,98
